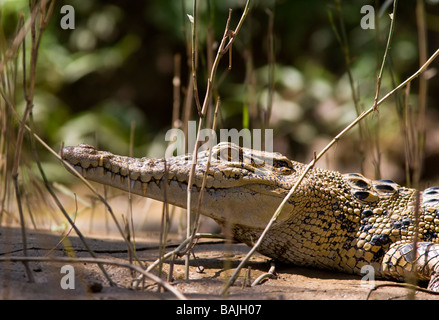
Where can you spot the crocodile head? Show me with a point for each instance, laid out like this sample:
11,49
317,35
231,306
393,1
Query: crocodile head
242,186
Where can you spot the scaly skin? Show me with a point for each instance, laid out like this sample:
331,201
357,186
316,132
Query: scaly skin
334,221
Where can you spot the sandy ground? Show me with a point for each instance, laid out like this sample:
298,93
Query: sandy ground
217,258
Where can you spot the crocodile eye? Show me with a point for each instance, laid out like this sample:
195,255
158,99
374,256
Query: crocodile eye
283,171
283,167
257,163
230,154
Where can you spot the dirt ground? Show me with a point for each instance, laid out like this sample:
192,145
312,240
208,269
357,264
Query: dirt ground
291,282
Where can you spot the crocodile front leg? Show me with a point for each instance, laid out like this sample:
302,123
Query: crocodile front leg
401,259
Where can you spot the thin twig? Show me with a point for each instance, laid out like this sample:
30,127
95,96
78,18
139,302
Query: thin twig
269,274
210,51
222,49
372,109
130,221
271,68
176,84
407,130
174,253
203,186
29,96
378,87
422,95
342,40
193,21
389,40
164,225
177,251
401,285
412,277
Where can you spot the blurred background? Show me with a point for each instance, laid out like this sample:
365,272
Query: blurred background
305,69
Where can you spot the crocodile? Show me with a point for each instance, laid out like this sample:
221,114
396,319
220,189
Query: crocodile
341,222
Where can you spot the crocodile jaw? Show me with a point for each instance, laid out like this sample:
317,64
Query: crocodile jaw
249,202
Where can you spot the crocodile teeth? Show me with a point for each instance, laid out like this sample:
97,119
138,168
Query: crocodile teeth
74,161
115,168
218,175
144,187
181,176
100,171
134,175
85,163
94,162
171,175
101,161
145,177
158,175
124,171
209,181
